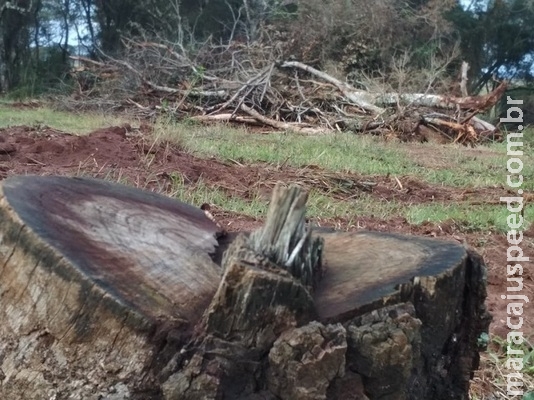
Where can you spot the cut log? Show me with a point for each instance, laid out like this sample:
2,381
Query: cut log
109,292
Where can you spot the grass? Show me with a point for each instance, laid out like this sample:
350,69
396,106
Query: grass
339,152
200,193
468,218
485,218
458,166
493,374
63,121
363,154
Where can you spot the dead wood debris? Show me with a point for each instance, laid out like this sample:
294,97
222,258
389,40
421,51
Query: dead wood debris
291,96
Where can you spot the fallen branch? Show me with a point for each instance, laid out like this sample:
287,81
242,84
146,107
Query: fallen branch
375,101
282,125
463,132
360,98
227,117
88,61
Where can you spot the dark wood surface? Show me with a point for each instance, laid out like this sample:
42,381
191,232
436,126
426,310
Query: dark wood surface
367,270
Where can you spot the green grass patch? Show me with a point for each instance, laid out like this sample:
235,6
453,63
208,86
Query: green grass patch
364,154
64,121
340,152
467,217
459,166
319,205
200,193
365,205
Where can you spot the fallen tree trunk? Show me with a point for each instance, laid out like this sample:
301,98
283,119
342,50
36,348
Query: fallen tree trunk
121,291
374,102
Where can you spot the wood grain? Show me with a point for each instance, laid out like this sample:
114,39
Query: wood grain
95,279
148,252
367,270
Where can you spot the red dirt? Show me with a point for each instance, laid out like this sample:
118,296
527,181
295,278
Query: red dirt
128,155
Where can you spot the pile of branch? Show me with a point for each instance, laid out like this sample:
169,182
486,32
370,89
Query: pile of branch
238,83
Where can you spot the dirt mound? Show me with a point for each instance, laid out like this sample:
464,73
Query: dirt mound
30,150
120,153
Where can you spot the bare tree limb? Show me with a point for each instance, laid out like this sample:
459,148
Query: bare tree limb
371,101
359,97
463,80
281,125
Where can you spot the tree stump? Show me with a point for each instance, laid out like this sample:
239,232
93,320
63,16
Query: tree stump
109,292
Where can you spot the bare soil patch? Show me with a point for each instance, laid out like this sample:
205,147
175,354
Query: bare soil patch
129,155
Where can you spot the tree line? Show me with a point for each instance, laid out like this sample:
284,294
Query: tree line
359,37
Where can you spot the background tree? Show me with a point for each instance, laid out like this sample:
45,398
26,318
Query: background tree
497,39
16,20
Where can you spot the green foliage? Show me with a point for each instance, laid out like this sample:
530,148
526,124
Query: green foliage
496,40
42,76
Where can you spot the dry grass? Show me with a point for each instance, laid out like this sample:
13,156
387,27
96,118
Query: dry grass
489,382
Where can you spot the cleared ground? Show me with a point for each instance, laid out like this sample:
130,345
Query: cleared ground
444,191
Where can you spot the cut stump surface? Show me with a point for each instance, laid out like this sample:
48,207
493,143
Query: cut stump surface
97,280
366,270
148,252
